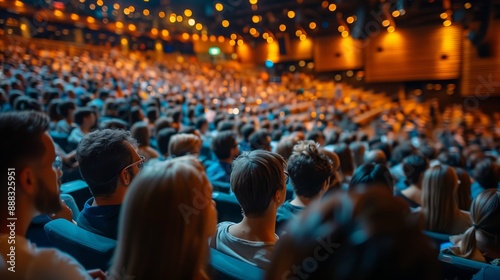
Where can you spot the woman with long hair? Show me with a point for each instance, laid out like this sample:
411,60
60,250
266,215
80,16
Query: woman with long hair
167,218
440,212
481,242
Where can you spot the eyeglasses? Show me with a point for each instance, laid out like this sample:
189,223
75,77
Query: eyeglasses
139,163
287,177
57,164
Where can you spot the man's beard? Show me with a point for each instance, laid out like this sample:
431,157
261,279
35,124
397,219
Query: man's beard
46,201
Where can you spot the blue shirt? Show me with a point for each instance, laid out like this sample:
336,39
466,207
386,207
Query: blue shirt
102,220
219,172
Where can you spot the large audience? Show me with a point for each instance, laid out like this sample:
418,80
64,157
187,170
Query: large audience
330,179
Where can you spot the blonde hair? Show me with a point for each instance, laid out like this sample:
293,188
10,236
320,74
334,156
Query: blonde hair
485,214
163,224
439,198
184,144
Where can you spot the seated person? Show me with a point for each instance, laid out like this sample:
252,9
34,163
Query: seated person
108,162
309,170
85,119
140,131
184,144
148,246
414,167
371,175
481,242
258,180
439,212
225,147
486,174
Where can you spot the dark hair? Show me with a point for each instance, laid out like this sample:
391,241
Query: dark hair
21,138
346,160
65,106
135,115
163,139
82,113
247,130
315,135
255,178
152,114
414,167
452,158
13,96
25,103
352,236
401,151
200,122
52,111
370,174
161,123
102,154
285,146
487,174
140,131
103,94
308,169
463,191
222,144
225,125
260,140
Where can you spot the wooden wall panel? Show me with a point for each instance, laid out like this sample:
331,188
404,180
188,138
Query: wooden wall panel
337,53
480,75
425,53
258,53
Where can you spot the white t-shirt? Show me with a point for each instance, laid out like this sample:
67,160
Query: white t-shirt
40,264
252,252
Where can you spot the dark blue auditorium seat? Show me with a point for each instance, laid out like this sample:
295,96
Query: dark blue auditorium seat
91,250
79,190
36,232
438,238
224,267
488,273
222,187
228,208
458,268
61,139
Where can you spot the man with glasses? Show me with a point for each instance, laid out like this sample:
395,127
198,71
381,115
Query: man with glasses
108,161
29,186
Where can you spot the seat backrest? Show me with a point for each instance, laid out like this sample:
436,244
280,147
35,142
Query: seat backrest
61,139
90,249
71,203
488,273
454,267
79,190
224,267
437,238
222,187
228,208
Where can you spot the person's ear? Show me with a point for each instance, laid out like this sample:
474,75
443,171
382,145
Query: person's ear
125,177
277,197
27,180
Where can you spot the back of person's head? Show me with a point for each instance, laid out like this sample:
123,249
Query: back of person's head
414,167
354,236
223,143
401,151
285,146
181,192
335,162
309,169
101,155
260,140
161,123
376,156
113,124
439,198
484,214
358,152
184,144
66,107
256,176
200,123
247,130
109,107
52,110
140,131
463,191
103,94
371,175
225,126
452,158
427,149
136,115
25,103
163,139
487,174
152,114
346,161
82,113
316,136
21,140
